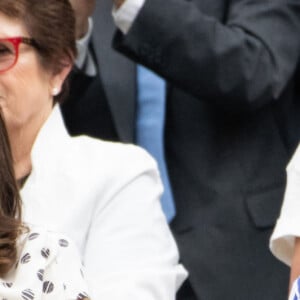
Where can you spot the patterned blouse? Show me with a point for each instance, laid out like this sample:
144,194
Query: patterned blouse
48,268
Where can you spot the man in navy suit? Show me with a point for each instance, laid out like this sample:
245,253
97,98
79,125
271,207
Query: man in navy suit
232,124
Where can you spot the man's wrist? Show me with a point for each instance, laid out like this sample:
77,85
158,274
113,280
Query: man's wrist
118,3
82,29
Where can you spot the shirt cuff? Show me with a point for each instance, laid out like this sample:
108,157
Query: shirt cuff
126,14
84,60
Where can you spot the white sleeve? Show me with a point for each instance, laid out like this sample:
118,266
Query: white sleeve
126,14
288,224
130,252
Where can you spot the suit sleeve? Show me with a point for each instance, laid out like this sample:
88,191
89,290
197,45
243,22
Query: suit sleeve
240,62
130,252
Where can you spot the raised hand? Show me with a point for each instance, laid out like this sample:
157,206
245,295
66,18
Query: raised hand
118,3
83,10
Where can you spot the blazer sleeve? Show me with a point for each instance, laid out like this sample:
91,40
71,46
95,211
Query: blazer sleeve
239,63
130,252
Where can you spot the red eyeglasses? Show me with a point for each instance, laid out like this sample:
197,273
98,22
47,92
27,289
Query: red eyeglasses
9,51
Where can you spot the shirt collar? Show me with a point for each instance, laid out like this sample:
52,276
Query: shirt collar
50,138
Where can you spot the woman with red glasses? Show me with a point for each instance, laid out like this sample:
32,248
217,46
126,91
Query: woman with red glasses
104,196
34,263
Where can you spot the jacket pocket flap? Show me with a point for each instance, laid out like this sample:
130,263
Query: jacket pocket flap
264,206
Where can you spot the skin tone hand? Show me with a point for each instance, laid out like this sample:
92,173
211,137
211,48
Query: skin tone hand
83,10
118,3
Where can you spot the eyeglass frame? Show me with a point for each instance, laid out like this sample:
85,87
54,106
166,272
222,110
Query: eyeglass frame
16,41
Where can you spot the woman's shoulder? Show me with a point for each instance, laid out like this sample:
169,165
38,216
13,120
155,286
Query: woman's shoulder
87,143
110,155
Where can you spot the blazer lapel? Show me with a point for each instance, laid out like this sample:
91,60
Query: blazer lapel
117,73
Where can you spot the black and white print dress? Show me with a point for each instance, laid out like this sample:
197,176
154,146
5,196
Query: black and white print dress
48,267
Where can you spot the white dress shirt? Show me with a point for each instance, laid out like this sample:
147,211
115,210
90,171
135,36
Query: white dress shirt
288,225
125,15
105,196
84,60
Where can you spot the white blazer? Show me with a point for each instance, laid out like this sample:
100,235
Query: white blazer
104,196
288,224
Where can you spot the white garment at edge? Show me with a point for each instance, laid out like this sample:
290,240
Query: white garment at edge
105,196
48,268
288,224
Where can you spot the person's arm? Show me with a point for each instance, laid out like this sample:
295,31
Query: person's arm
285,240
130,252
83,10
118,3
239,63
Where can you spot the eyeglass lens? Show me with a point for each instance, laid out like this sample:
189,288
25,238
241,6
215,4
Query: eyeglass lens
7,55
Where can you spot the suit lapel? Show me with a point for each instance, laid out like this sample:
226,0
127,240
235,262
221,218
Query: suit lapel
117,73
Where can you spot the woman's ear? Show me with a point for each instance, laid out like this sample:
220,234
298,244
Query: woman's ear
58,79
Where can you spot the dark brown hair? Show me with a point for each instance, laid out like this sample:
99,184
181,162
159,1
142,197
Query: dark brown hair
51,23
10,205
